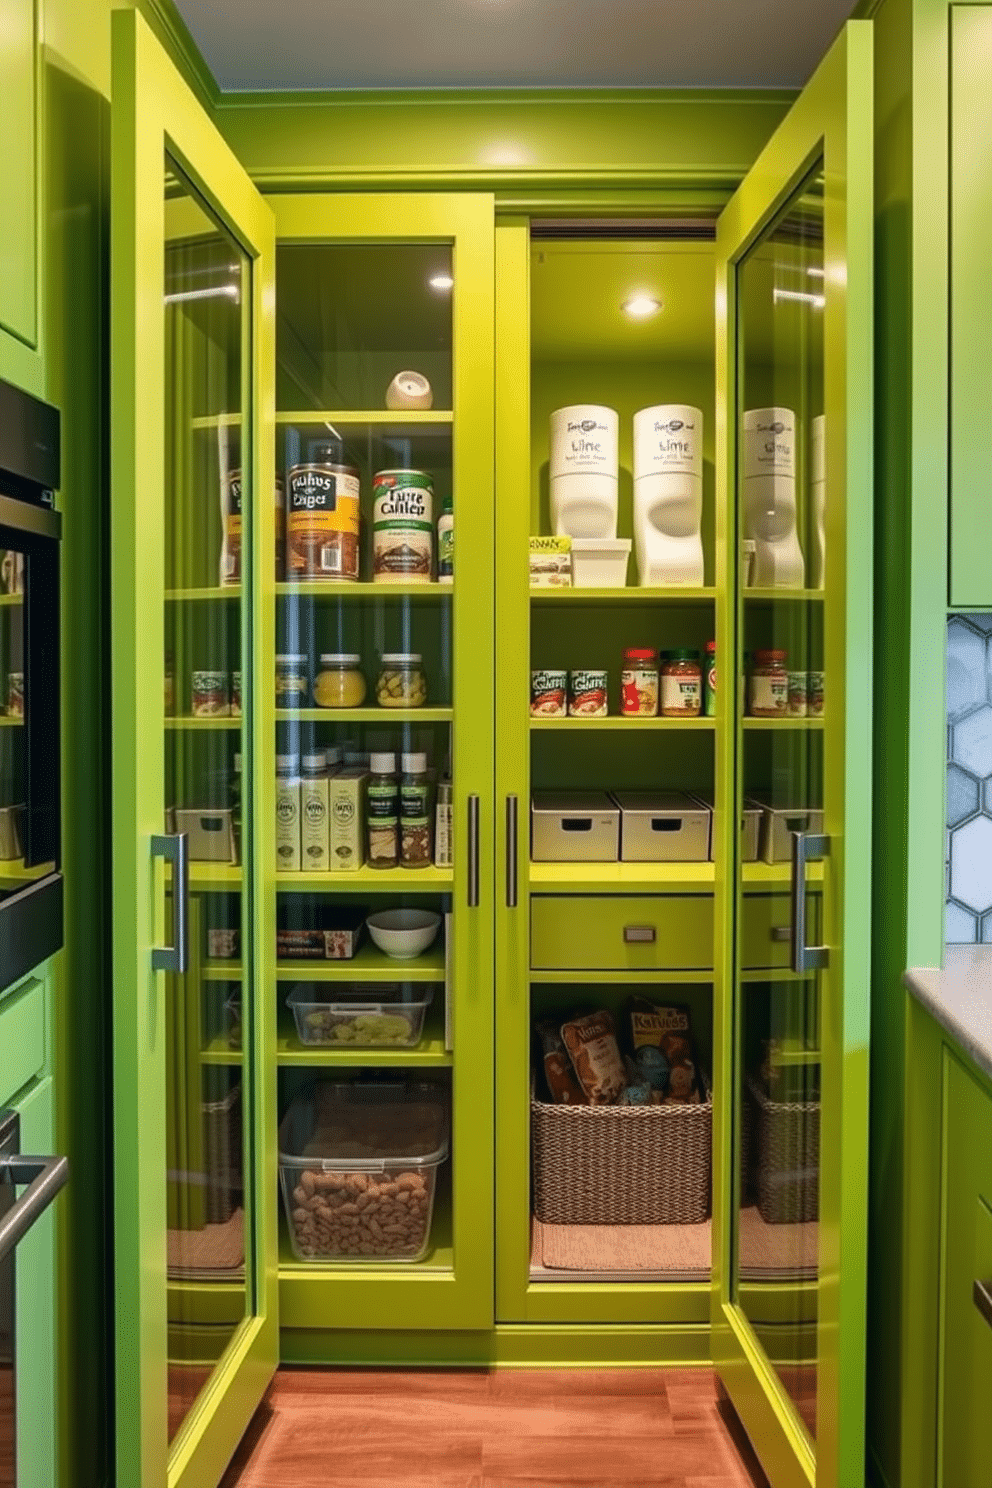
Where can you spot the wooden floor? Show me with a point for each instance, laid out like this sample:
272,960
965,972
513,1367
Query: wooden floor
512,1428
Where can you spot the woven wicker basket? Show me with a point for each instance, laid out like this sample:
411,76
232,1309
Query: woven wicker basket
620,1165
787,1158
222,1156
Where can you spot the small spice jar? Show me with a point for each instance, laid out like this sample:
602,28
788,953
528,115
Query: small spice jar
15,694
797,694
169,698
587,695
814,694
292,681
709,681
639,684
681,684
548,694
768,690
339,683
401,683
235,694
210,695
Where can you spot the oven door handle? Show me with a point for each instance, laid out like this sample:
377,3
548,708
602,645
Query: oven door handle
45,1177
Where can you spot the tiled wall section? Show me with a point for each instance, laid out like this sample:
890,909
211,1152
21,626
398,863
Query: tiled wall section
968,907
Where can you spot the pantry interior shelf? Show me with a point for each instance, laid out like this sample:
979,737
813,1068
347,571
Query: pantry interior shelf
8,601
214,592
8,722
640,974
368,965
364,715
628,878
210,875
430,1052
390,419
220,721
759,875
427,880
783,724
621,722
547,595
343,590
777,596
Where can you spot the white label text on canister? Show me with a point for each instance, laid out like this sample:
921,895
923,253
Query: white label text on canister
584,441
769,694
587,695
668,441
548,694
402,527
681,695
322,522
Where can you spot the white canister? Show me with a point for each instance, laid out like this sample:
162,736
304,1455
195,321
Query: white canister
818,494
409,390
768,488
583,470
668,494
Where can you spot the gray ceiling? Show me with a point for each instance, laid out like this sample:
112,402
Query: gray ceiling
513,43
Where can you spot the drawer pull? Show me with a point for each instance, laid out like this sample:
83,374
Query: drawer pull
576,823
781,932
639,934
666,824
981,1294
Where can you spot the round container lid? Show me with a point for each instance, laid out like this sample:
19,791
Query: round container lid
401,658
415,764
761,656
382,764
421,475
681,653
314,761
286,762
638,654
711,645
339,659
291,659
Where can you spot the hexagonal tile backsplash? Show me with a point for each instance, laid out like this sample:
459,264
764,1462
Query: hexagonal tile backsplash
968,910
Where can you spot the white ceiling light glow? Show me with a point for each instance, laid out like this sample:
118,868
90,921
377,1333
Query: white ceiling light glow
441,282
641,306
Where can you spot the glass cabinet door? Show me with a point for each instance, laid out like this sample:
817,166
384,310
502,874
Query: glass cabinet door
378,770
192,246
794,279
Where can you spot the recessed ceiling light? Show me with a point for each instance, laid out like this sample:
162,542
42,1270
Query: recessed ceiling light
640,306
441,281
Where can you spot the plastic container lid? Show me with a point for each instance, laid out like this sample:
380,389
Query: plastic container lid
636,654
414,764
339,659
401,658
291,659
314,762
352,1107
710,646
762,656
382,764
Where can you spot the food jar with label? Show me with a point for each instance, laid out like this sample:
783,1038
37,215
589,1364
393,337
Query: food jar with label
548,694
797,694
383,812
587,694
681,684
235,694
401,683
709,681
323,523
814,694
292,680
169,700
768,691
639,684
402,527
446,545
339,683
416,828
211,697
15,694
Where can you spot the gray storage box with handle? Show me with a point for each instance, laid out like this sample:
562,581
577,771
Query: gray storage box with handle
750,824
574,827
778,824
662,827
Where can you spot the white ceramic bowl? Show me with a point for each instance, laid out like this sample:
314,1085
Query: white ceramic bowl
403,933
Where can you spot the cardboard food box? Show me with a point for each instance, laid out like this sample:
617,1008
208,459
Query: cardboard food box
574,827
662,827
550,563
347,817
318,933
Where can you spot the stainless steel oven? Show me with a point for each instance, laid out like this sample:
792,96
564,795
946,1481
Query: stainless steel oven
30,758
43,1177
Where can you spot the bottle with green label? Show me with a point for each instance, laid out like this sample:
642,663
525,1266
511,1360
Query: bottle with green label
416,826
709,681
446,545
383,812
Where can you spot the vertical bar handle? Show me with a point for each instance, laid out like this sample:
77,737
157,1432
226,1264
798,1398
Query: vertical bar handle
174,848
807,847
473,852
511,852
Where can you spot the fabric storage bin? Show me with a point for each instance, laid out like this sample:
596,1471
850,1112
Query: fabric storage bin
786,1158
574,827
384,1016
358,1168
662,827
621,1165
222,1155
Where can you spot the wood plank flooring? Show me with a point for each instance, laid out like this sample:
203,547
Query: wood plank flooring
509,1428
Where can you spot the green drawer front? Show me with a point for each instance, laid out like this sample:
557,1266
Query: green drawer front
587,933
22,1037
763,919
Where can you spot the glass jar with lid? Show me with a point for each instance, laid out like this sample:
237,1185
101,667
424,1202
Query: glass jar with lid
681,684
768,690
340,682
402,683
292,680
639,683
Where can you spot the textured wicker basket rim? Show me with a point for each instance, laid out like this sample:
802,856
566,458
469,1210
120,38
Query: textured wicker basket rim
767,1104
557,1106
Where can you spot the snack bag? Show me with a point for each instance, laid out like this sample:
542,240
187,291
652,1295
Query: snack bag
638,1091
592,1046
565,1088
663,1051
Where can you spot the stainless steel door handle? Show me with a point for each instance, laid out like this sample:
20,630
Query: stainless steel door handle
807,847
511,852
473,852
981,1295
45,1175
174,848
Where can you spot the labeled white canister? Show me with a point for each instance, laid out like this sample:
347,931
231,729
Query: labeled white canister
818,494
768,487
668,494
583,470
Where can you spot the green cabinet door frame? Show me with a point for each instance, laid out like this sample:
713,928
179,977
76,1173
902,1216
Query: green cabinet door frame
154,112
832,122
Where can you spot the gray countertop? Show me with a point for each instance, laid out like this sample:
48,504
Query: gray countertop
960,998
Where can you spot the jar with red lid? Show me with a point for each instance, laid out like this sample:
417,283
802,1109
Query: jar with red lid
681,684
768,690
639,684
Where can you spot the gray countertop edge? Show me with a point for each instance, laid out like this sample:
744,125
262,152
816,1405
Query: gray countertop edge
959,997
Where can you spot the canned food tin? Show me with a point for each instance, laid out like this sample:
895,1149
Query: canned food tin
798,686
15,694
211,698
814,694
322,518
587,695
548,693
402,527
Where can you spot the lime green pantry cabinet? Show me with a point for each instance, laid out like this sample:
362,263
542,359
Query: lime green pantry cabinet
20,76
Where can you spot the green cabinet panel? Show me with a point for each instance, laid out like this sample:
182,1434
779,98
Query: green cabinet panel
766,921
971,303
19,177
37,1430
966,1384
622,933
22,1037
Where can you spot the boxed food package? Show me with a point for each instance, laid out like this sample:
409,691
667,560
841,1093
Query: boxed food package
662,827
358,1166
550,562
574,827
318,932
347,816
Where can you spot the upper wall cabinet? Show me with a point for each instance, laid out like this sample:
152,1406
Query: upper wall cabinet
19,176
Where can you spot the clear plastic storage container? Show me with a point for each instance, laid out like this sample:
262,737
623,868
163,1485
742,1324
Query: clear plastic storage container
386,1016
358,1168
